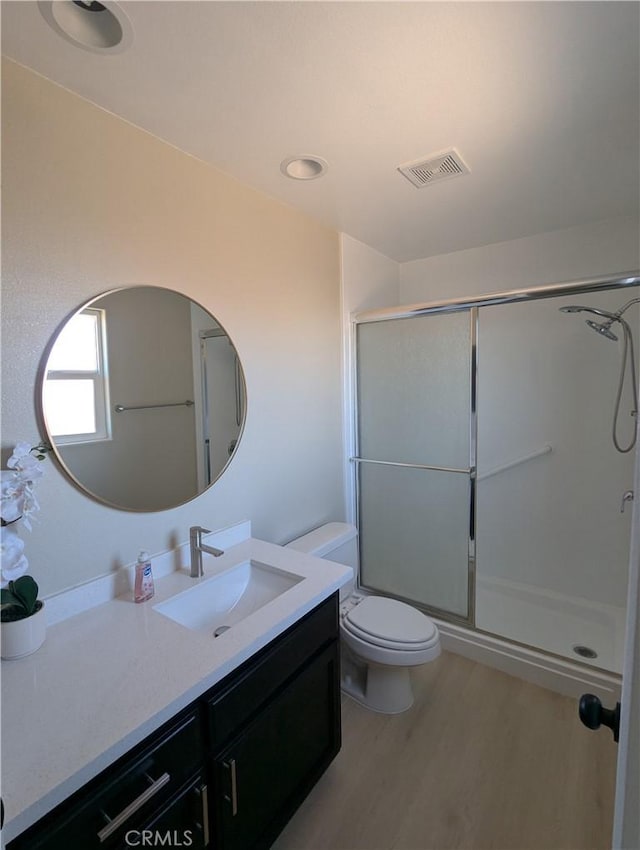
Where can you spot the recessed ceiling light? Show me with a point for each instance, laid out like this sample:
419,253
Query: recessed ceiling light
97,27
303,167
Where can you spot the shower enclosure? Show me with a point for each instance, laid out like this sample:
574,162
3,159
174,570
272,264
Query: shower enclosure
489,490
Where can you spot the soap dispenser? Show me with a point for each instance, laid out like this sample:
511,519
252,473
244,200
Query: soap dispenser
144,588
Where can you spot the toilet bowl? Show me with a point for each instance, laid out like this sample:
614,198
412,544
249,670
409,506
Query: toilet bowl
381,638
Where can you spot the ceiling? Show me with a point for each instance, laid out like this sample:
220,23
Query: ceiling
541,100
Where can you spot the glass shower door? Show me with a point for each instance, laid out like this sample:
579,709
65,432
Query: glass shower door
415,455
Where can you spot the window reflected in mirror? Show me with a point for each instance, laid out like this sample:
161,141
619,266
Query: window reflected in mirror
76,389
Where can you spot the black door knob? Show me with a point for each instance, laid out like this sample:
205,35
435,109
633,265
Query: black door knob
593,715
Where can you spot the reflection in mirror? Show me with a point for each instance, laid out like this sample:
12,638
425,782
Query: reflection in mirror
143,398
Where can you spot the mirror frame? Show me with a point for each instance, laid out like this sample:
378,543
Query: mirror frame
49,440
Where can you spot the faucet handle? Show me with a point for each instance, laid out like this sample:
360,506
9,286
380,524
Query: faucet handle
198,530
627,496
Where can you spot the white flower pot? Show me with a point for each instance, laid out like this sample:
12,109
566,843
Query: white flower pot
22,637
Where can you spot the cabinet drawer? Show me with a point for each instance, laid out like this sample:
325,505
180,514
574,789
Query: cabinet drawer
124,796
246,690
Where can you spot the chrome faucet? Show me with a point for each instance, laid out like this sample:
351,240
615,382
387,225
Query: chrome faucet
197,547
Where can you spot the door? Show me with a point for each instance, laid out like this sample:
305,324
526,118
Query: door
416,454
222,402
626,822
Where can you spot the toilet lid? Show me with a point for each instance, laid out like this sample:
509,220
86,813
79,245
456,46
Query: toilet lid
389,621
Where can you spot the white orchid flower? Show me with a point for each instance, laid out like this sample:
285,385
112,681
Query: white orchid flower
17,499
26,465
17,504
21,450
14,562
11,496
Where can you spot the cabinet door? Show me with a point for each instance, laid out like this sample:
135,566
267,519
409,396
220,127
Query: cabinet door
236,701
268,769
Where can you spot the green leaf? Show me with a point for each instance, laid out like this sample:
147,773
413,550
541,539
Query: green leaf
11,613
23,592
7,598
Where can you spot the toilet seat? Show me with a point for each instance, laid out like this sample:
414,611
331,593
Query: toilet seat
390,624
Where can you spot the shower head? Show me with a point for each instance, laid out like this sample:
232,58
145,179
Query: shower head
576,308
602,328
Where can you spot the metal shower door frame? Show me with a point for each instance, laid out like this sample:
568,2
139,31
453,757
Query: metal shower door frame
472,305
469,471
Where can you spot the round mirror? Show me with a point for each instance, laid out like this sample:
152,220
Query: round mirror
143,398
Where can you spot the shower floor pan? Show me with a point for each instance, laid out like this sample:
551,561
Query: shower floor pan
568,626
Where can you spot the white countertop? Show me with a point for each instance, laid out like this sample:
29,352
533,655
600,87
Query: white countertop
106,678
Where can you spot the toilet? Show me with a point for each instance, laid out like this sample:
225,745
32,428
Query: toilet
381,638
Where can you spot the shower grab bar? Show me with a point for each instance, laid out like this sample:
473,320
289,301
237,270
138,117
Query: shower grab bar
465,471
547,449
120,408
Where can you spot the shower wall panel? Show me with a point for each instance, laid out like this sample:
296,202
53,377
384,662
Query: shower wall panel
552,545
554,521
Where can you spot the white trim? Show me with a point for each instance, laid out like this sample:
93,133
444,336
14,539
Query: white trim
550,672
626,819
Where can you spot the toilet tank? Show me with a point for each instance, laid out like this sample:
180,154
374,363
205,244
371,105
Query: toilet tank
335,541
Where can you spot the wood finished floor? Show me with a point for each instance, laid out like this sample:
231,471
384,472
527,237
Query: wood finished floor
482,761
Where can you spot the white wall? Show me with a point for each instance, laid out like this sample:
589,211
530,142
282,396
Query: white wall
553,522
576,253
369,279
91,203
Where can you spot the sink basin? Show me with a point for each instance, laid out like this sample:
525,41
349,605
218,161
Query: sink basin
226,599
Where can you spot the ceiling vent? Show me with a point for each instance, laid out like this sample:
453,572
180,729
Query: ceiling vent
442,166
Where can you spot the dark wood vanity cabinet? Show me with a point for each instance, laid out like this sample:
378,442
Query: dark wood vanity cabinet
227,772
276,727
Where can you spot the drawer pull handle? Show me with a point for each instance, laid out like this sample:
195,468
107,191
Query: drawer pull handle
203,793
126,813
231,765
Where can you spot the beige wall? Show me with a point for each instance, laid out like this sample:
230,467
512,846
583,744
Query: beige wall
91,203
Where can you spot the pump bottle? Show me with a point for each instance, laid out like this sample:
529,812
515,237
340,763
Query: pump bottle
144,588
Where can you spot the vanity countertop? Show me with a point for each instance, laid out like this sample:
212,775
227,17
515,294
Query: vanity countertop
106,678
